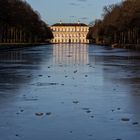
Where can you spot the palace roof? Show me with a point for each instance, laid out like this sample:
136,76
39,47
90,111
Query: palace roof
69,24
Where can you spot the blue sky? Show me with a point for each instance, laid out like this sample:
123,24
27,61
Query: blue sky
53,11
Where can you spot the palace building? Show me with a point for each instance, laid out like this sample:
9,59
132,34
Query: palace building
70,33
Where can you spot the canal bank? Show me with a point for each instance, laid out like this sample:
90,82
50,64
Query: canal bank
117,45
20,45
127,46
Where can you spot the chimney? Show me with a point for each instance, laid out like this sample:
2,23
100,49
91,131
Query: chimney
78,21
60,22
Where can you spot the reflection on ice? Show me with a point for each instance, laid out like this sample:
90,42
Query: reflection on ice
11,56
18,65
70,54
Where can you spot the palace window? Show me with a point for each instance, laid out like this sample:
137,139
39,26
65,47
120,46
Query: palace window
73,29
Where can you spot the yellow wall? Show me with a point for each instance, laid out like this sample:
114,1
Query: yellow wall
70,34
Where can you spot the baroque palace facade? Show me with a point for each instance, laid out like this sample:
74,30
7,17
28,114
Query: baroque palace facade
70,33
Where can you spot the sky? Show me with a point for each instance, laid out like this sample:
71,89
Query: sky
86,11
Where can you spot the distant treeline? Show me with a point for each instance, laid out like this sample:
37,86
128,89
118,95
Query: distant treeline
19,23
120,24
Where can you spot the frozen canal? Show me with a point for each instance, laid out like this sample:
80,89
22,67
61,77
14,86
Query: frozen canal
69,92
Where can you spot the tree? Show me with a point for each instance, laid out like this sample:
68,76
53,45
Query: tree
20,23
120,23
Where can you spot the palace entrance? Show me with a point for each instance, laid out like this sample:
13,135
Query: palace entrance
69,40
